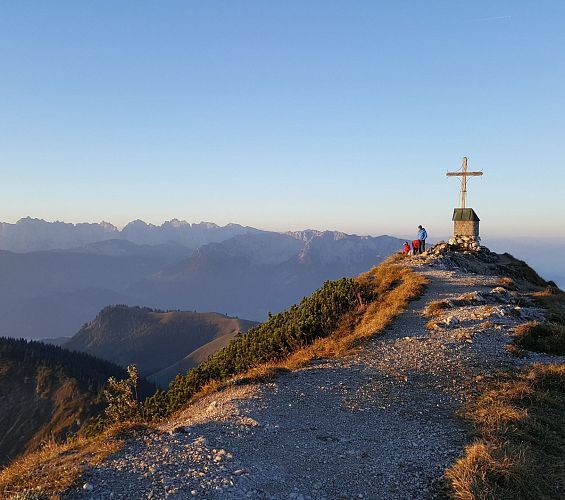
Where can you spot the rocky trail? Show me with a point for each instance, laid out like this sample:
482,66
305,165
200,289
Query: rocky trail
379,423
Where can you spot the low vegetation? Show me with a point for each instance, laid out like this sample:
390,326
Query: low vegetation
326,322
391,288
54,468
519,451
552,299
121,397
541,337
282,334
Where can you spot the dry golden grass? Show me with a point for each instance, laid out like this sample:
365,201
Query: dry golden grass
261,373
553,300
48,472
547,292
432,325
467,297
392,287
515,351
520,449
435,308
485,325
486,471
541,337
506,282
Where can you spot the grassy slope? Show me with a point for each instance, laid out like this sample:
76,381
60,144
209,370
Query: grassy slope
39,405
56,466
519,451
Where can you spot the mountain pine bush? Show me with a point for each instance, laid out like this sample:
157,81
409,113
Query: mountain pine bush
121,397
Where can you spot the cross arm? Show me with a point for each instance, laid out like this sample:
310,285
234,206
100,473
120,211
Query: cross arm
461,174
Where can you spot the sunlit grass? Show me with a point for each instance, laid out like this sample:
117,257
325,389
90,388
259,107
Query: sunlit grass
520,449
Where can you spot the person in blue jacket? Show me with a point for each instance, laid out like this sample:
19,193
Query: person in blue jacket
422,235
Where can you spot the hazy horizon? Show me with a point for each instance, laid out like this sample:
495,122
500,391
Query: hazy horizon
284,115
442,233
537,251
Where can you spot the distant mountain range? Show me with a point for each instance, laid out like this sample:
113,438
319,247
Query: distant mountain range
48,290
30,235
160,343
252,275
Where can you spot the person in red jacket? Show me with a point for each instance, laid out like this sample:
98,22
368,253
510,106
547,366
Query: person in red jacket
406,248
416,246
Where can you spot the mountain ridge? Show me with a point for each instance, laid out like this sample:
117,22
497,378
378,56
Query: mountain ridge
247,275
160,343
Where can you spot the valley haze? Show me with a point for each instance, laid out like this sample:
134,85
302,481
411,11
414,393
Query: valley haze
57,276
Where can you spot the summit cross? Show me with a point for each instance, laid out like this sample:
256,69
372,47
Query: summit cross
463,174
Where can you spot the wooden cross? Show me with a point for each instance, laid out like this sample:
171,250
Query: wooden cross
463,174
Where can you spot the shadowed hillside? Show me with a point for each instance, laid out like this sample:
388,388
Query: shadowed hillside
47,393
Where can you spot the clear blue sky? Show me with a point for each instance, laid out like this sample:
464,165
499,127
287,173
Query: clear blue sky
284,115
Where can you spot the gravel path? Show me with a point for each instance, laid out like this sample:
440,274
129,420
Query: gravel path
376,424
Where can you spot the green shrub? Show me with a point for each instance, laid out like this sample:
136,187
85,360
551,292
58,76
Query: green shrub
121,397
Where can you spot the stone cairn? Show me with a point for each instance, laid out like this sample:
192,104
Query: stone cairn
470,243
457,243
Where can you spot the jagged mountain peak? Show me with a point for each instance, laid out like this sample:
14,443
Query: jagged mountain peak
32,234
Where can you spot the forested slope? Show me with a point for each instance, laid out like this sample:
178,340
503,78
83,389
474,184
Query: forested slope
47,393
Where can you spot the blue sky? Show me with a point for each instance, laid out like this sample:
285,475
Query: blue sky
284,115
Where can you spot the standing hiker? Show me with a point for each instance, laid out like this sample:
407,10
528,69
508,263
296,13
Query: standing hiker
422,235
